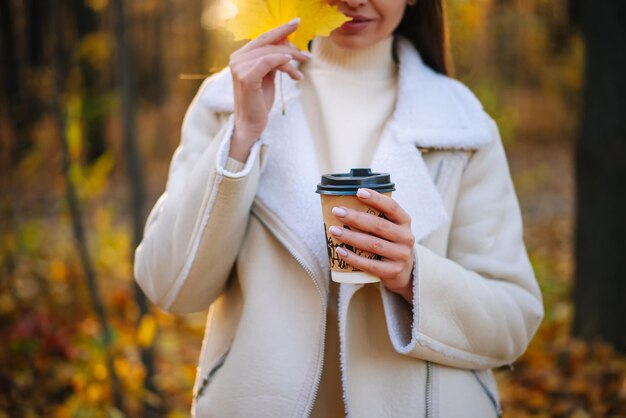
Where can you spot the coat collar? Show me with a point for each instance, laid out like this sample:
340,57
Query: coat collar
432,110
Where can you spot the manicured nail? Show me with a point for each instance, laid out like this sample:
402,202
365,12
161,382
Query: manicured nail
300,75
363,193
341,212
341,251
307,54
294,22
289,56
335,230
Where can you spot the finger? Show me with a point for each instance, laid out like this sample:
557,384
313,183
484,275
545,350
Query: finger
387,271
292,71
376,225
273,36
372,244
392,210
270,49
263,66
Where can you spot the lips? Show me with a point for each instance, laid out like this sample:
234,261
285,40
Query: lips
357,18
357,24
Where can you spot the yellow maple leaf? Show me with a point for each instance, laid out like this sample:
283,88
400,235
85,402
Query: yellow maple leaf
254,17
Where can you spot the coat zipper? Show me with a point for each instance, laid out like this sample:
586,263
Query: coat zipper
428,402
492,398
269,220
209,376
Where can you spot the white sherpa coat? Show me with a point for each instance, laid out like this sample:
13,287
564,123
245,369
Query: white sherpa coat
250,245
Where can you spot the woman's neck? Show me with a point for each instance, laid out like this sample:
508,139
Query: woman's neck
372,63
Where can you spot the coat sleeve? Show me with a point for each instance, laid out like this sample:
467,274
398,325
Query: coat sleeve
480,306
194,232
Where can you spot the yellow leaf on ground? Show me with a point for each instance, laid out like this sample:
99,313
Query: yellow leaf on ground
146,331
254,17
58,271
99,371
96,393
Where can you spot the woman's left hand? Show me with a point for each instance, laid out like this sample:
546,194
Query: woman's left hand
390,238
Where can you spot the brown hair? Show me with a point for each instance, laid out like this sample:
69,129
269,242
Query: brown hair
424,25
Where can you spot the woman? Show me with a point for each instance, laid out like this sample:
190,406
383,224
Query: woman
239,229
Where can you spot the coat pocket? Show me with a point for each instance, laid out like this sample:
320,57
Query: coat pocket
463,393
208,377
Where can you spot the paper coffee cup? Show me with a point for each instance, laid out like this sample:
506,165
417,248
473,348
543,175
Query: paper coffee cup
340,190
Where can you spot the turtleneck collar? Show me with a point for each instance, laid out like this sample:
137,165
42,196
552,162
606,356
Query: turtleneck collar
373,63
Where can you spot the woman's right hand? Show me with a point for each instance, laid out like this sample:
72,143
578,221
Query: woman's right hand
253,68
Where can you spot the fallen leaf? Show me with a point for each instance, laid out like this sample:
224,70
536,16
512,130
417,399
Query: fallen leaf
146,331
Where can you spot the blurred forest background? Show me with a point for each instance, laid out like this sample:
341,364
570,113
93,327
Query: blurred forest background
93,95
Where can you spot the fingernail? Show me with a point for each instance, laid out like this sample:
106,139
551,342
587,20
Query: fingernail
341,251
289,56
307,54
335,230
300,75
363,193
341,212
294,22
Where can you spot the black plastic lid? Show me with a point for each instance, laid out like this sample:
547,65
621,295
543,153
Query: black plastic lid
349,183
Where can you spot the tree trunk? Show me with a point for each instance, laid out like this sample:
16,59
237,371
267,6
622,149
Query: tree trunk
21,53
9,89
80,237
600,282
152,402
94,88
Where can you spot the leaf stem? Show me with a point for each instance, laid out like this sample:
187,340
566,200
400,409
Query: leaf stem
282,96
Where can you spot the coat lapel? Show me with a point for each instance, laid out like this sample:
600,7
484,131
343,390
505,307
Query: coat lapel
290,176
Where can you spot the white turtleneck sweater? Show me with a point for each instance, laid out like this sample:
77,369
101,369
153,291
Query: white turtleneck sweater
348,96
